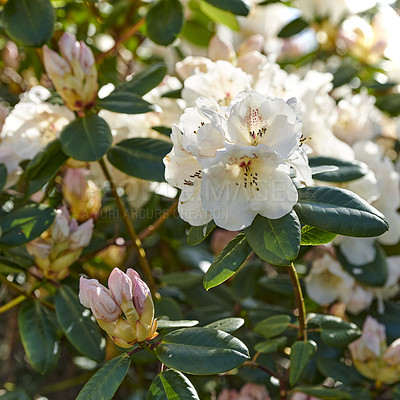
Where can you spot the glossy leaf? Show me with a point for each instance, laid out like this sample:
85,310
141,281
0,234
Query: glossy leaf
339,211
219,16
323,393
237,7
228,325
339,371
270,346
201,351
197,234
311,236
227,262
39,336
105,382
123,101
272,326
293,28
171,385
336,332
87,138
29,22
140,157
275,240
25,224
77,325
300,355
164,21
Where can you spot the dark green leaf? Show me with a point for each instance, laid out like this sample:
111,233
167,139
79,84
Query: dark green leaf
171,385
270,346
338,371
272,326
323,393
77,325
339,211
197,234
374,273
237,7
300,355
201,351
345,73
25,224
39,336
219,16
164,21
228,325
123,101
87,138
140,157
105,382
336,332
311,236
275,240
15,395
3,176
346,170
173,94
227,262
9,267
44,166
389,103
166,323
29,22
293,28
164,130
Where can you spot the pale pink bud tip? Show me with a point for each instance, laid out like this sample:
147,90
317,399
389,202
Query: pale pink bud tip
139,288
54,64
120,286
69,46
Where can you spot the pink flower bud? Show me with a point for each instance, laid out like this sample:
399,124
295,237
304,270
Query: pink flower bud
220,50
39,248
86,58
54,64
75,181
392,354
60,229
120,286
81,236
253,43
69,47
140,290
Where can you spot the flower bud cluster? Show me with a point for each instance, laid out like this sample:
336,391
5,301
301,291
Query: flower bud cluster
61,245
74,75
125,310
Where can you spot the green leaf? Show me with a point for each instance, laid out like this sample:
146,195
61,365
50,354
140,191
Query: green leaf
197,33
29,22
77,325
389,103
338,333
171,385
25,224
396,392
346,170
219,16
9,267
123,101
338,371
311,236
140,157
86,139
227,262
173,94
345,73
201,351
15,395
144,81
374,273
39,336
164,21
105,382
300,355
270,346
237,7
228,325
3,176
197,234
272,326
339,211
44,166
323,392
166,323
275,240
293,28
164,130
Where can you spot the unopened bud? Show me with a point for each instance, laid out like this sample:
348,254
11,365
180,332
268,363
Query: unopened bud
253,43
220,50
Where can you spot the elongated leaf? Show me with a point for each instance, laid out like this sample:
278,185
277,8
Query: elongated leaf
25,224
166,323
29,22
338,371
9,267
389,103
164,21
171,385
140,157
270,346
323,393
227,262
272,326
44,166
123,101
86,139
336,332
293,28
39,336
201,351
339,211
3,176
275,240
219,16
105,382
198,233
228,325
77,325
346,170
374,273
311,236
237,7
300,355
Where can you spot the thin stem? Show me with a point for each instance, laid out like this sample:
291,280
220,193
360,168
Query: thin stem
144,263
153,227
14,302
132,352
299,300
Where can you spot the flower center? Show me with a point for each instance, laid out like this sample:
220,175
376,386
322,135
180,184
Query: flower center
255,125
249,177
